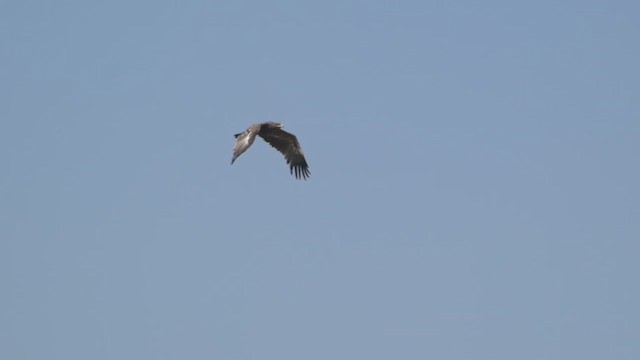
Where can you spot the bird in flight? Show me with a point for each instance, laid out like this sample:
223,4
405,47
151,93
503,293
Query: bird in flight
281,140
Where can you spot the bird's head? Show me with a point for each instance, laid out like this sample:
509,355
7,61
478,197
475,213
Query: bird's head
276,125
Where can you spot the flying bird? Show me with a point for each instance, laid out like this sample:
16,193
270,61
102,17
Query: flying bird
281,140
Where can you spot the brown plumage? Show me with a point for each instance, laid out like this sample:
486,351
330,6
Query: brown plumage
281,140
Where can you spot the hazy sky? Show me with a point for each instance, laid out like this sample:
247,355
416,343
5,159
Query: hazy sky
474,188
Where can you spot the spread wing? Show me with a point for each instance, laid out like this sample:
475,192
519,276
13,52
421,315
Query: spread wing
289,146
243,142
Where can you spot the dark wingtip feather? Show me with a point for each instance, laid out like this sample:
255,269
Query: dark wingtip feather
300,171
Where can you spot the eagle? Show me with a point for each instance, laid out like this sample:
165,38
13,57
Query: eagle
281,140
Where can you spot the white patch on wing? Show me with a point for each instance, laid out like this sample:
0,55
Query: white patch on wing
243,142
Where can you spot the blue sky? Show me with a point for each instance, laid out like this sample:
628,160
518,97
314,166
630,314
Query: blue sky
474,189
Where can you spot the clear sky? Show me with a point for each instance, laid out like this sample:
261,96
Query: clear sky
474,189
